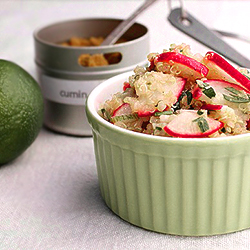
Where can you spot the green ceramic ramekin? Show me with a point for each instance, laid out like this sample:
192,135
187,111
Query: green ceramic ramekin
177,186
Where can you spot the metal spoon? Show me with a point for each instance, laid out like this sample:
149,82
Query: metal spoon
126,24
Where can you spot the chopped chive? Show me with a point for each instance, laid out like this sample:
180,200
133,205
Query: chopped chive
202,123
236,99
167,112
233,90
236,96
121,118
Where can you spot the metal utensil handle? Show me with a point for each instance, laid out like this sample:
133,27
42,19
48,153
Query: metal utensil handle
233,35
201,33
125,25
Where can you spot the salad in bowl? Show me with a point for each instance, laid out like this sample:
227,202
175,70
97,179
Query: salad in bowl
172,144
181,94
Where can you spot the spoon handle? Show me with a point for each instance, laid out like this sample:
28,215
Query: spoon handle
126,24
195,29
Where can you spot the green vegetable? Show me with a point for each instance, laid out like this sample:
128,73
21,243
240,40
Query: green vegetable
199,112
236,96
189,96
158,128
247,75
167,112
206,89
121,118
106,115
202,123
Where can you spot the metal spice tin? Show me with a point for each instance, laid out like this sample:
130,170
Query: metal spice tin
65,83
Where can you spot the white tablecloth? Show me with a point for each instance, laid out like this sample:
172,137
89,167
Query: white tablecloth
49,196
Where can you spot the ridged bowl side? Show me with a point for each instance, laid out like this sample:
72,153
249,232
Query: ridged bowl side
187,190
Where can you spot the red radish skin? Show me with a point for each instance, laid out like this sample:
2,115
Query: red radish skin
200,135
181,85
126,85
220,84
197,93
211,107
146,113
248,124
151,65
123,109
198,69
227,68
183,126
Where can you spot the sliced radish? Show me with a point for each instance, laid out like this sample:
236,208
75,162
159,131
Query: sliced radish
178,88
189,124
221,85
123,113
186,67
164,89
142,113
176,91
123,109
211,107
219,68
223,93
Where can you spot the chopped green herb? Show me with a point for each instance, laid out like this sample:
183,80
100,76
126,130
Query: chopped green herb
103,111
223,130
199,112
236,99
106,115
236,96
121,118
206,89
167,112
233,90
202,123
176,106
209,92
158,128
189,96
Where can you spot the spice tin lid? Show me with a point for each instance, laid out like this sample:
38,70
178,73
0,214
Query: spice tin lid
56,58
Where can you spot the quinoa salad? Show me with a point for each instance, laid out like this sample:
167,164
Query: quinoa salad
181,94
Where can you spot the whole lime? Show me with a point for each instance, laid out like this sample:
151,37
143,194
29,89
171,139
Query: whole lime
21,110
